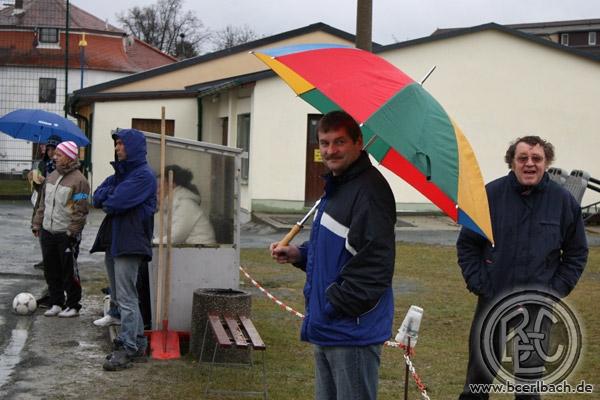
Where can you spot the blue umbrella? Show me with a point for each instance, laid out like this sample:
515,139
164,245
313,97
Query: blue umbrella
39,125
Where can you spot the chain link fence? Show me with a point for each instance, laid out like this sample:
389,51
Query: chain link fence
32,75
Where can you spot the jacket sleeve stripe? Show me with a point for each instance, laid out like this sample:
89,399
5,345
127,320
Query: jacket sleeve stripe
340,230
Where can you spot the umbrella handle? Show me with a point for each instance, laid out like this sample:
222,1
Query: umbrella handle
298,227
290,235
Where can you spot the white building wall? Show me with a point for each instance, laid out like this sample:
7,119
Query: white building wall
20,89
278,157
118,114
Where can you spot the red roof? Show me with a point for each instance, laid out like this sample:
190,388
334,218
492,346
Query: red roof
52,13
108,48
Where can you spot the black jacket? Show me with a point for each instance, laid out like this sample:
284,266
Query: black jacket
540,241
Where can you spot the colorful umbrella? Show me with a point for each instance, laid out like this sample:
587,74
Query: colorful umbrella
404,127
39,125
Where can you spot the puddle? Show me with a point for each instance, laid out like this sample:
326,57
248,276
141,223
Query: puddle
11,356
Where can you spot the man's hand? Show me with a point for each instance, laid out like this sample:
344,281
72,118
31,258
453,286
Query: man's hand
284,254
36,233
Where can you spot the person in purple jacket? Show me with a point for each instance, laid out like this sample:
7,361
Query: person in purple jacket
129,200
349,265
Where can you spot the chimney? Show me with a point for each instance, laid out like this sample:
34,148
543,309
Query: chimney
18,8
364,24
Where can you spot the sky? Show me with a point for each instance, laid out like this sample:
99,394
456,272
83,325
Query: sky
393,20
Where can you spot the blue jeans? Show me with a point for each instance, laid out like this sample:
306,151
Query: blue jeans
122,274
346,373
113,310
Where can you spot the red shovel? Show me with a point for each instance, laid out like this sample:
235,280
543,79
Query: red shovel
164,344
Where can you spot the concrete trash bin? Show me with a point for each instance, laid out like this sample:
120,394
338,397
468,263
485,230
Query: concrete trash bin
221,302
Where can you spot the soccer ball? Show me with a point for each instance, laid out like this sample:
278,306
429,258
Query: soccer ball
24,304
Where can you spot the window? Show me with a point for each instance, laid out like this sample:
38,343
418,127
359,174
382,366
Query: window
564,39
592,38
47,90
48,35
153,125
243,142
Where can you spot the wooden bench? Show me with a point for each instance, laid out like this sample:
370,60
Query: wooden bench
231,332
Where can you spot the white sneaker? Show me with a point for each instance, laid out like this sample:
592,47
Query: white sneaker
107,320
68,313
53,311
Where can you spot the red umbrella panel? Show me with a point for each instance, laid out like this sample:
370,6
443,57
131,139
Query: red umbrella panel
405,128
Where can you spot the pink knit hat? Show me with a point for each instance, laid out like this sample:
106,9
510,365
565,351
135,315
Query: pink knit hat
69,149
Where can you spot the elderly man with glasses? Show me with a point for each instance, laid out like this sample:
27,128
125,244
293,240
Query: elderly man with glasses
540,245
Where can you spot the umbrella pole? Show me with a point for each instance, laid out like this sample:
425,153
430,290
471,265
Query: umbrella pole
297,227
369,142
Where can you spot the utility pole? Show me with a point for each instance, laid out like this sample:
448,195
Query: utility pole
364,24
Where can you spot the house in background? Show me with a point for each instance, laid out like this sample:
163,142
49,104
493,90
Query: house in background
32,62
497,83
583,34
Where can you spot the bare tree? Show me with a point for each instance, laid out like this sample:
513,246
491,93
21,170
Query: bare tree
231,36
166,26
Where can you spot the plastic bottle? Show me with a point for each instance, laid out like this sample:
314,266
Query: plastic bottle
410,326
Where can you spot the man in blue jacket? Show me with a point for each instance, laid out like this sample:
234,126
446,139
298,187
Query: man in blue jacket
129,199
349,265
540,245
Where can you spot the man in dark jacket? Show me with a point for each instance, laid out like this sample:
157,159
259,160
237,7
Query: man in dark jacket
540,245
349,265
129,198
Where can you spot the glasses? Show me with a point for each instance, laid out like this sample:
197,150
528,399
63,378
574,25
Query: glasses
535,159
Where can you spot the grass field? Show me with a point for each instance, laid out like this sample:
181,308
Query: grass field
14,187
426,276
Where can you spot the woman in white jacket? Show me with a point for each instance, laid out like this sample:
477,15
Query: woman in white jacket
190,224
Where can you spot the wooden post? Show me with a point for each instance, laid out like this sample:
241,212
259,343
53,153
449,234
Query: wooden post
167,276
161,219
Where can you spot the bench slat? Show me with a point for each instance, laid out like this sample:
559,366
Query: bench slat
218,330
236,332
255,338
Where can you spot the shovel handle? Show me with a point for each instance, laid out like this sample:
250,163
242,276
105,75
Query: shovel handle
290,235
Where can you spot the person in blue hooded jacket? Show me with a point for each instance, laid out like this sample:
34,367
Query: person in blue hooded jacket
349,265
129,199
540,245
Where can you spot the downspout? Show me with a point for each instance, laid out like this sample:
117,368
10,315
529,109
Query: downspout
199,117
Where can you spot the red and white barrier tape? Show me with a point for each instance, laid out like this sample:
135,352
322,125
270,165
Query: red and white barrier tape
388,343
269,295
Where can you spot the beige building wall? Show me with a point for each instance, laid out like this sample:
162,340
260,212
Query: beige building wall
219,68
118,114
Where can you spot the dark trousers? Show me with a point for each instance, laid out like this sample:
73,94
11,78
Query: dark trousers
143,289
480,372
60,269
